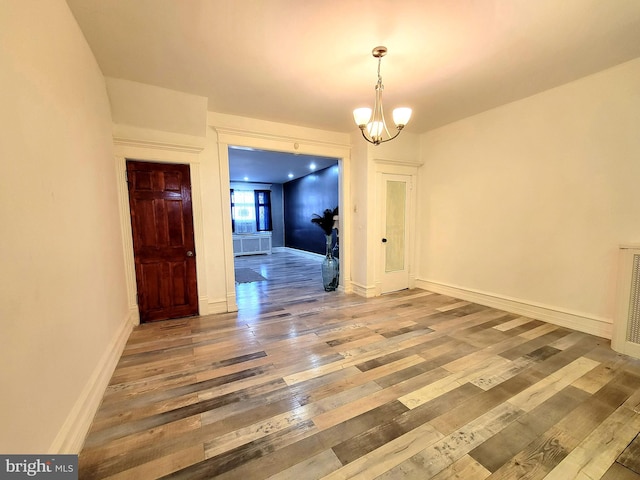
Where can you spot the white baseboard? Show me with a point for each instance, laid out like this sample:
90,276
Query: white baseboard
576,321
348,288
134,314
221,306
363,290
71,436
304,253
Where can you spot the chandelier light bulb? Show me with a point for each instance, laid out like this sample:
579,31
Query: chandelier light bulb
362,116
375,129
401,116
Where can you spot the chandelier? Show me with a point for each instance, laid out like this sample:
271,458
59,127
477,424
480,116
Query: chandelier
372,123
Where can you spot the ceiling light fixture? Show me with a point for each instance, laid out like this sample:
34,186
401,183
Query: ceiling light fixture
373,121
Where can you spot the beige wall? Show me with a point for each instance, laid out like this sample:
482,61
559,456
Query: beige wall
156,108
360,200
528,202
62,299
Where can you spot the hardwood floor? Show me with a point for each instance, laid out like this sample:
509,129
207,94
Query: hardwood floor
305,384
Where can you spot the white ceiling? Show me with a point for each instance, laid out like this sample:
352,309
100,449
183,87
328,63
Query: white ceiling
259,166
309,63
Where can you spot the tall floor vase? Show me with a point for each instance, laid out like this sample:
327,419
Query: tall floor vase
330,268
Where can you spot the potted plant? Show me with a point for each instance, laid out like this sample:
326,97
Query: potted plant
328,221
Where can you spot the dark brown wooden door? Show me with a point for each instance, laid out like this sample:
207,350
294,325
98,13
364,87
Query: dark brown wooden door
163,243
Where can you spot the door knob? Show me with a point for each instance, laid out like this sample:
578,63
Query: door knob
384,240
189,253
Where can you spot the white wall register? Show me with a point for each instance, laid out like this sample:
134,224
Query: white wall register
626,324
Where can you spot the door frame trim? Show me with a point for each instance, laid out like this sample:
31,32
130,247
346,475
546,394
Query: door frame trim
159,152
395,168
263,140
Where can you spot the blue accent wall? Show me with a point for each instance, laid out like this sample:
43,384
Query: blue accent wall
277,215
303,197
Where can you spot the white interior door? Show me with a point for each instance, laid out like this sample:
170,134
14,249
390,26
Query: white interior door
395,228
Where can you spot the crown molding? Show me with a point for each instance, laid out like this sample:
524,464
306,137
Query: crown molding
130,136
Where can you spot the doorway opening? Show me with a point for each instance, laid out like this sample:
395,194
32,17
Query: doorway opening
278,251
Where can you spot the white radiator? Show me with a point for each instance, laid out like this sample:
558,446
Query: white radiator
251,244
626,324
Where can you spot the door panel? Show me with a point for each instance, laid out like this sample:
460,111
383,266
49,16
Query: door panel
395,274
395,226
163,241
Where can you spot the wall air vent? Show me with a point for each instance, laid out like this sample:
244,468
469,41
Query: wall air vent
626,324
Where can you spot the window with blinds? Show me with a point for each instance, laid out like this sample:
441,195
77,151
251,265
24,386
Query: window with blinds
250,211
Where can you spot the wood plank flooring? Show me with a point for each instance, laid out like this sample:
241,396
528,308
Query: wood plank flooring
305,384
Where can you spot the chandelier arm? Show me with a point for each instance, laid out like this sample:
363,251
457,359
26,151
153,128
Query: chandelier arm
365,137
378,142
391,138
384,122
